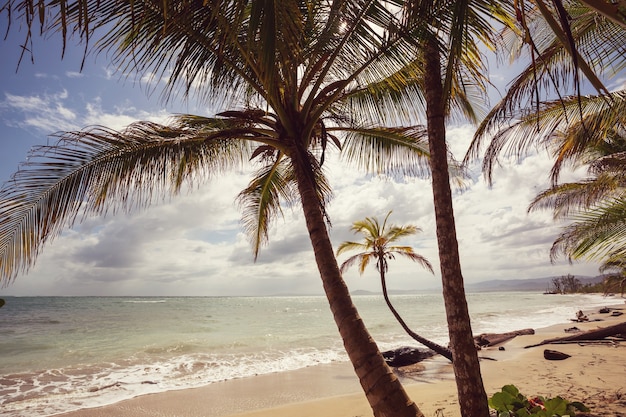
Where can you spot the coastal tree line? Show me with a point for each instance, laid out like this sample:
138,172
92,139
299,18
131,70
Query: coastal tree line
606,284
375,81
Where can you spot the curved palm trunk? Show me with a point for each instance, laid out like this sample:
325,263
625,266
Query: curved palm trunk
382,388
441,350
471,392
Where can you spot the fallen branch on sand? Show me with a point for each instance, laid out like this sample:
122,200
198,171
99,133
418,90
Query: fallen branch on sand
492,339
596,334
590,342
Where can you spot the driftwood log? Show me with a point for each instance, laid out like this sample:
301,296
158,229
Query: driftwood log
596,334
493,339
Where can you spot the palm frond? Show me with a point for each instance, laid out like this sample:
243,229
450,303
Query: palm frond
395,233
100,170
566,198
611,10
261,200
401,151
595,234
363,259
408,253
349,246
536,129
599,42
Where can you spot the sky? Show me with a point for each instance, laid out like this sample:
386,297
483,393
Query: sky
193,244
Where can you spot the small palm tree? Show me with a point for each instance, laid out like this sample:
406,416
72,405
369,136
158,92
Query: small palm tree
378,246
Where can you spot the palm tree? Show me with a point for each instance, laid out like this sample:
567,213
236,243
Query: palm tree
578,131
450,52
597,142
298,72
379,246
300,79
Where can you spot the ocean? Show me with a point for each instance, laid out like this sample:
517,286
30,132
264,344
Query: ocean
59,354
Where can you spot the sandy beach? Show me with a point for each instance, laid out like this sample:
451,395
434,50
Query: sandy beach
594,374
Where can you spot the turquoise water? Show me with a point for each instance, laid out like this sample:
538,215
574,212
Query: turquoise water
64,353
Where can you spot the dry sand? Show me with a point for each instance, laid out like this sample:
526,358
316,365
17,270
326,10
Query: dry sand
595,374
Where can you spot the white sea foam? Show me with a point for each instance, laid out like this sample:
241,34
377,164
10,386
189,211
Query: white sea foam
59,354
61,390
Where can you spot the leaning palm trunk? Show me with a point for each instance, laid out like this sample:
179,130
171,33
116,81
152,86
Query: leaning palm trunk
441,350
471,392
382,388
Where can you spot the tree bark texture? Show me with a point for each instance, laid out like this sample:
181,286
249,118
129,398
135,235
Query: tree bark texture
471,392
382,388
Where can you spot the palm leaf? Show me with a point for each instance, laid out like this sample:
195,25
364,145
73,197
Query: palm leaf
392,150
408,253
540,128
581,195
598,41
261,200
101,170
595,234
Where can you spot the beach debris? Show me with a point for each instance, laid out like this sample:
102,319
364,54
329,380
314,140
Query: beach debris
595,334
616,313
572,330
580,317
604,310
410,370
406,355
555,355
96,389
493,339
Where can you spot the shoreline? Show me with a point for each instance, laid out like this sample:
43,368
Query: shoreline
593,375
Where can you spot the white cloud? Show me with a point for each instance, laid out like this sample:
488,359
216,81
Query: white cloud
194,243
41,112
74,74
23,103
48,113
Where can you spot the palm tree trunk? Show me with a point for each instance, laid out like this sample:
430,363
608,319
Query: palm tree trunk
382,388
471,392
445,352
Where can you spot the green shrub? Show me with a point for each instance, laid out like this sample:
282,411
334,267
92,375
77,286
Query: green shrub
510,403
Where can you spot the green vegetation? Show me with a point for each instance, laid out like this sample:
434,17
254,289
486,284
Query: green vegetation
615,281
566,284
511,403
610,283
